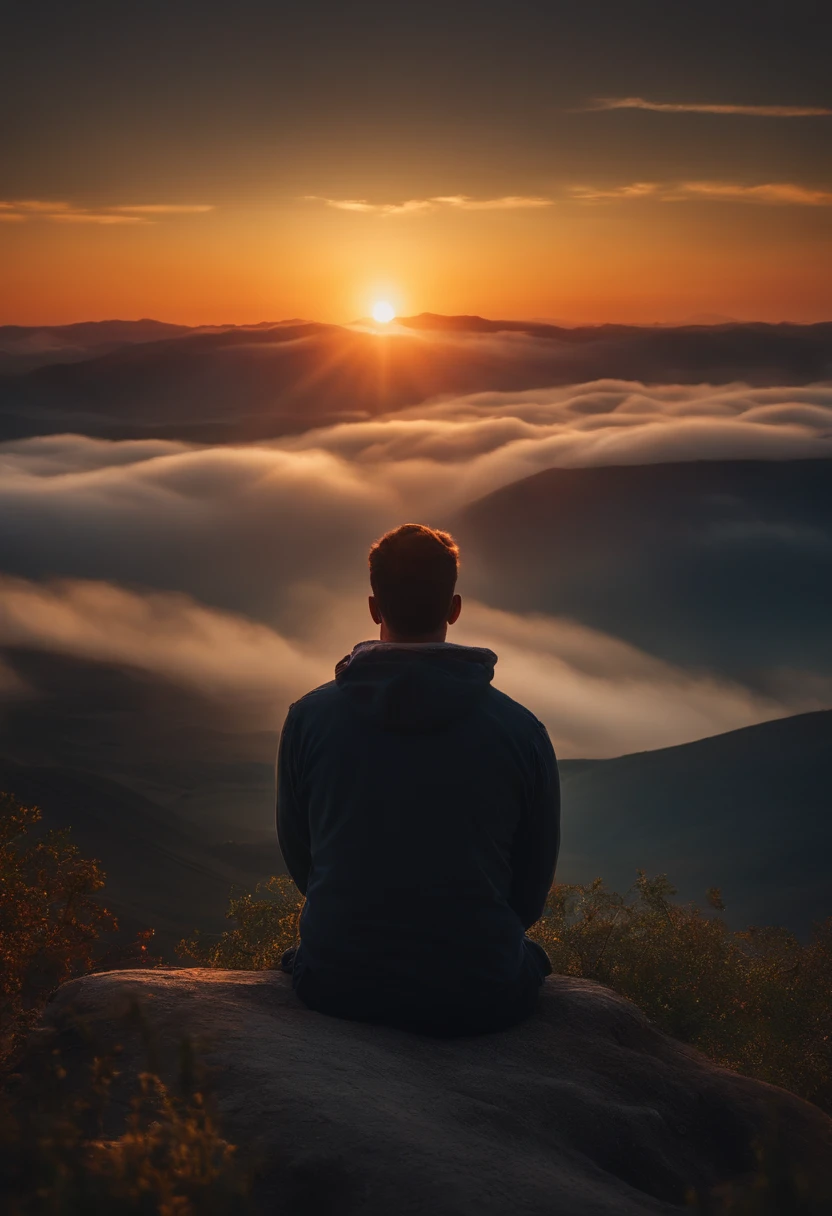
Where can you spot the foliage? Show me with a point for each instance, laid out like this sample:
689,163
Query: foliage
49,920
757,1001
170,1159
266,926
57,1160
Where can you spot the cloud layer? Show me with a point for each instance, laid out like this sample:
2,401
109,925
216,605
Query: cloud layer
241,569
460,448
773,194
60,212
419,206
597,695
238,525
707,107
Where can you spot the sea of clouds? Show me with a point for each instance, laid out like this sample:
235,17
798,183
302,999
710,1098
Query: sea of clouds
241,570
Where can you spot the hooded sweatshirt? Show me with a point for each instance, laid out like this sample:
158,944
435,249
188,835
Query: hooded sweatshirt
419,813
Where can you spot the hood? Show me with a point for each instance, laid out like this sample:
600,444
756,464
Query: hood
415,686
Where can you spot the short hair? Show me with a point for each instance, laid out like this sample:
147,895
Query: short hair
413,572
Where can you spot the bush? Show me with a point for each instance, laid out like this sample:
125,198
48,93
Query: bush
170,1159
49,920
56,1159
266,926
756,1001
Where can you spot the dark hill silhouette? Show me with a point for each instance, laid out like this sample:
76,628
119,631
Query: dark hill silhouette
161,873
263,381
719,564
24,348
749,811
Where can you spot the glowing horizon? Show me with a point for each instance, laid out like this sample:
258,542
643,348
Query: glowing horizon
253,173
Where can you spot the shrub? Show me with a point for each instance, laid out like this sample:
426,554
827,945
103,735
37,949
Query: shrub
756,1001
267,924
170,1160
49,920
57,1160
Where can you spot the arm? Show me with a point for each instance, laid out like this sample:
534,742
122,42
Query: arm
292,818
535,850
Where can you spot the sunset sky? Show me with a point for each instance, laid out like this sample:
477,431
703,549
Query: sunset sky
580,161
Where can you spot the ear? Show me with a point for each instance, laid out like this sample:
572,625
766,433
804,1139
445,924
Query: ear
456,608
374,612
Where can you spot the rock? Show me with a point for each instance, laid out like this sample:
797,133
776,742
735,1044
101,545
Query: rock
583,1110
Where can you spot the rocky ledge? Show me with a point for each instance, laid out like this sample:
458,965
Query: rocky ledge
583,1110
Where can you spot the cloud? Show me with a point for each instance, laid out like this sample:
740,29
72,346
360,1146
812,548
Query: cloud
167,634
436,456
62,212
449,452
241,570
697,107
417,206
597,695
166,208
92,217
508,202
239,527
777,194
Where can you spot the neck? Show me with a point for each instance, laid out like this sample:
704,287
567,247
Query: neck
389,635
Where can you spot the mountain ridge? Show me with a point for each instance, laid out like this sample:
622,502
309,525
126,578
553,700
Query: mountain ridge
747,811
260,382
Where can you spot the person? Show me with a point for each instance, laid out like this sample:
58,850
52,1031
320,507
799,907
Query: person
418,810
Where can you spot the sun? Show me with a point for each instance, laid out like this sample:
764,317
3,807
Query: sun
383,312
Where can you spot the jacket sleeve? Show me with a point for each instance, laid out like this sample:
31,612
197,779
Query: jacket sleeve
292,814
536,845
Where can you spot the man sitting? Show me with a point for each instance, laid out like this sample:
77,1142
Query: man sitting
418,811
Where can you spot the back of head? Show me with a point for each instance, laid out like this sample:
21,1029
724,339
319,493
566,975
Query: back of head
413,572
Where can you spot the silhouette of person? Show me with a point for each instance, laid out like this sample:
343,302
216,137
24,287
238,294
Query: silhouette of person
418,810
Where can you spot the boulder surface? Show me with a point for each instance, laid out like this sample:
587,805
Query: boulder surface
585,1109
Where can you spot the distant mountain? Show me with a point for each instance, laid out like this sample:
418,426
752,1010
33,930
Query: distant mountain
749,812
24,348
160,874
725,565
255,382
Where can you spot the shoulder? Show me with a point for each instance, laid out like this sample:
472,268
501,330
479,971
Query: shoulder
529,736
316,701
516,716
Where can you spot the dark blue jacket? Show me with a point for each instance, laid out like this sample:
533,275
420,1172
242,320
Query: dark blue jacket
419,812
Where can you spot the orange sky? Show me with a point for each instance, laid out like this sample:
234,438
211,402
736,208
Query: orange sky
608,160
629,260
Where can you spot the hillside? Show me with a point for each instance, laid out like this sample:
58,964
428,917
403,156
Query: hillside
749,811
161,872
